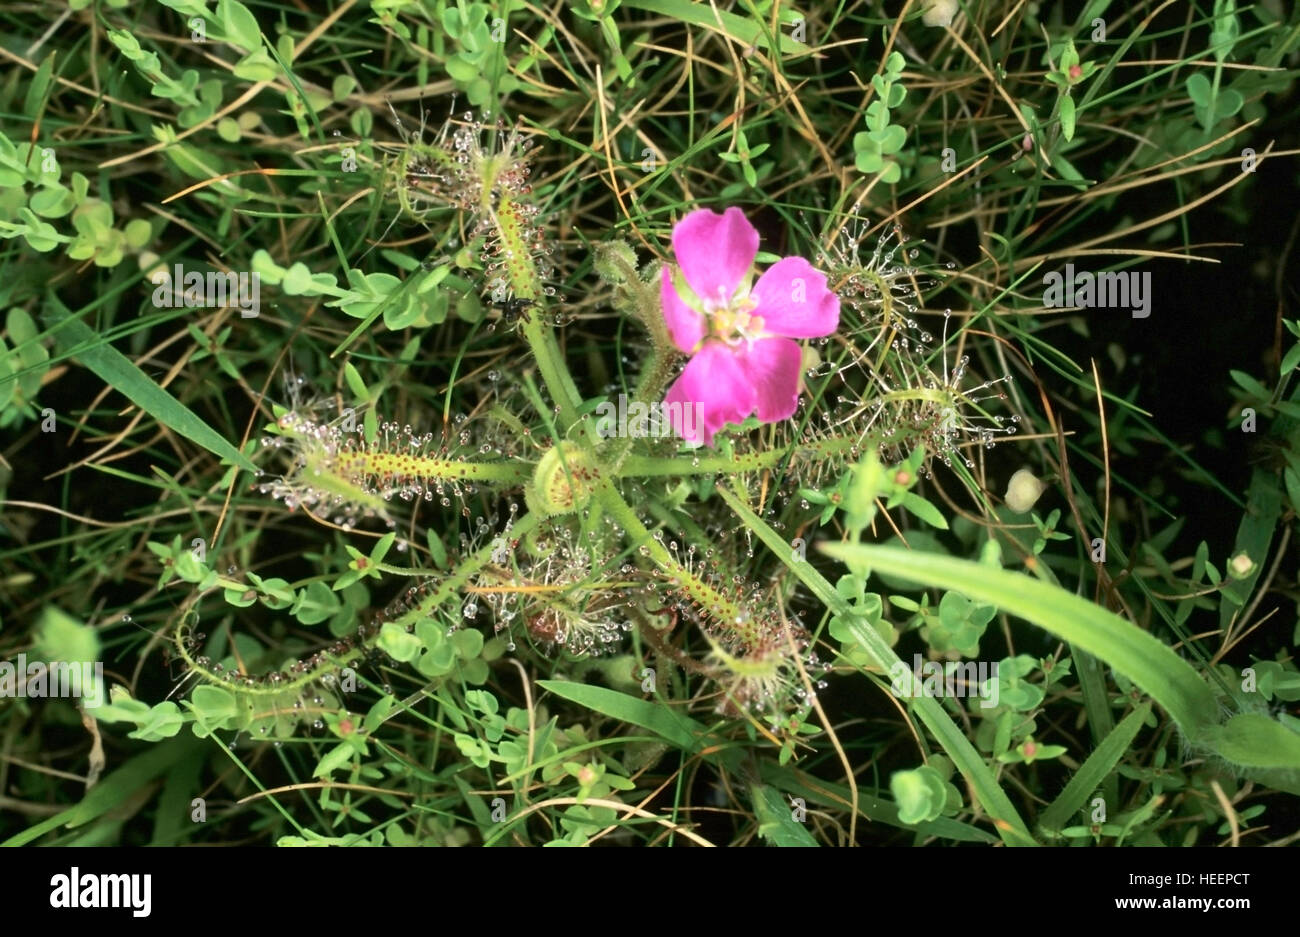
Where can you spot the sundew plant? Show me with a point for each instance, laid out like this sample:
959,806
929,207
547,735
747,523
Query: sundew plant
647,422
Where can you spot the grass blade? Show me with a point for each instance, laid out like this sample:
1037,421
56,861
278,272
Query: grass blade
776,823
114,789
1093,771
1144,659
682,731
116,369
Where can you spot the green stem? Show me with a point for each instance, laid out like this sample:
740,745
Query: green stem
659,367
525,283
648,466
559,383
710,600
640,298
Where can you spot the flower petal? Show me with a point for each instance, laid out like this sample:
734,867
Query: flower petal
772,365
685,325
794,301
715,251
713,390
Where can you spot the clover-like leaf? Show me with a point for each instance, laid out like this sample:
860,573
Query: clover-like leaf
921,794
397,643
238,25
1066,113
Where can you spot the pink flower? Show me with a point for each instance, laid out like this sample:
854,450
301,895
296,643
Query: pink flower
740,339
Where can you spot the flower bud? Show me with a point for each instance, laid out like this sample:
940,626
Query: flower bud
614,260
1023,490
939,12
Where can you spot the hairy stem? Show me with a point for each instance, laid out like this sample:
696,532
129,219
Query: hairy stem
711,600
525,283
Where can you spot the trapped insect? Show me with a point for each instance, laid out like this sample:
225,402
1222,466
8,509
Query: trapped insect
512,310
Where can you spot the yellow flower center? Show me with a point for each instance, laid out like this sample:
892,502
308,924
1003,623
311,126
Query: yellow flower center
734,323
